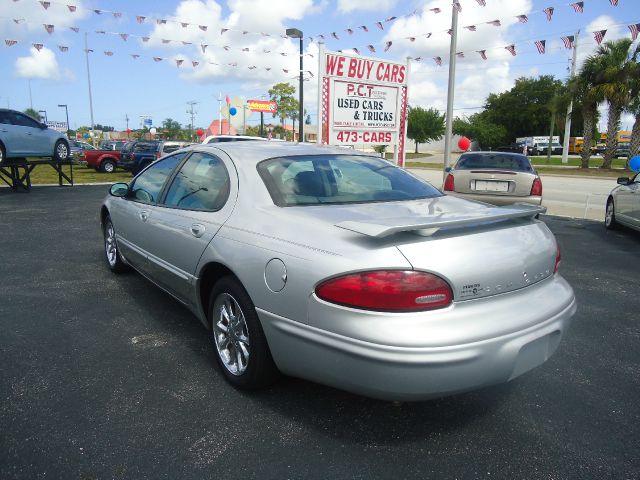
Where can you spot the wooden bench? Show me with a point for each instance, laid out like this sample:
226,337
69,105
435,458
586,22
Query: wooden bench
16,172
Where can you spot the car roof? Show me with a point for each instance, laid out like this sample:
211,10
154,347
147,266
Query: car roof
494,152
255,152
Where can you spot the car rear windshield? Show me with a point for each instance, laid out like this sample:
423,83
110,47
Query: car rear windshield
339,179
518,163
145,147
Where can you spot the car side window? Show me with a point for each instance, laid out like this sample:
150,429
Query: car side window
148,185
201,184
4,118
24,121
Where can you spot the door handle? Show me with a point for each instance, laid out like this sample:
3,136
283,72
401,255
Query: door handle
197,230
144,215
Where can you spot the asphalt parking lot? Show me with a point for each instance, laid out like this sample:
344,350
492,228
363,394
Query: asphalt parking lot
106,377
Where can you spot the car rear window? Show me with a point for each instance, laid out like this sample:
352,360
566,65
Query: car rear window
518,163
339,179
145,147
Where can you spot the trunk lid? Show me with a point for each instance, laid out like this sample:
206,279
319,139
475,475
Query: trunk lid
493,182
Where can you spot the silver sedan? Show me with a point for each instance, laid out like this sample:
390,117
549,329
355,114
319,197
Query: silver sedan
623,204
341,268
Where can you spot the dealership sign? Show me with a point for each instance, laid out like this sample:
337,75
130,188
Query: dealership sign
262,106
363,101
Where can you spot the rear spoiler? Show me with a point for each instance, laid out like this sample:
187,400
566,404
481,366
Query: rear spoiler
427,226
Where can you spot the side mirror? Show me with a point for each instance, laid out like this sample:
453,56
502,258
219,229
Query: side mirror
119,189
43,126
623,181
448,169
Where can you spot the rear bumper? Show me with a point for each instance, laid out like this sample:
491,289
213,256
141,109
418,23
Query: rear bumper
497,199
393,372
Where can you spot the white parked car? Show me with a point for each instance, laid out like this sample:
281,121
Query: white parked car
623,204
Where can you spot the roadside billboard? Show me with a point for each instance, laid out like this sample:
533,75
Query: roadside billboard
264,106
362,101
59,126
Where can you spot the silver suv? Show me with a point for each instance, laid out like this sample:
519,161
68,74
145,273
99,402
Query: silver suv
22,136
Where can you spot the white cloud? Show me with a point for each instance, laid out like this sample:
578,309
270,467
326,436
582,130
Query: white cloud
346,6
31,16
41,64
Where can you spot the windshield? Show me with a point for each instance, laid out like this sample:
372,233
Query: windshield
515,162
339,179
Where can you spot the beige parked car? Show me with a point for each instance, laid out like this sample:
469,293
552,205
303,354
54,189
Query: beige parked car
499,178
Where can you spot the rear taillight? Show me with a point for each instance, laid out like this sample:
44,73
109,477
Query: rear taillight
158,155
558,259
449,183
536,188
388,291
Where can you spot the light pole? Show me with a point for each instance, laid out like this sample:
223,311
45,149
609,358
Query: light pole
45,115
295,33
66,110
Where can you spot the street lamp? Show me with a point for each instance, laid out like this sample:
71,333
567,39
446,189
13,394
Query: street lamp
66,110
45,115
295,33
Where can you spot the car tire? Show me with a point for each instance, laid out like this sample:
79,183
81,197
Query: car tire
108,166
111,251
3,154
610,222
61,151
240,347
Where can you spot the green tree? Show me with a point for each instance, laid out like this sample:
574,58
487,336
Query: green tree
633,74
253,131
612,85
523,110
172,128
33,113
582,87
103,128
424,125
477,127
283,95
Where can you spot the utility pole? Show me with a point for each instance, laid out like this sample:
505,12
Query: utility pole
86,53
451,89
126,119
30,96
193,114
567,123
219,113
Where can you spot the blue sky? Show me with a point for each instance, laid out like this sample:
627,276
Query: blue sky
122,85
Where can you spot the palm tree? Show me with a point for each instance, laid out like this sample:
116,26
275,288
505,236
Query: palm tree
582,87
633,75
612,85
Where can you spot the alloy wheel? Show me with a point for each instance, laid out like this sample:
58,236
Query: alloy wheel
231,334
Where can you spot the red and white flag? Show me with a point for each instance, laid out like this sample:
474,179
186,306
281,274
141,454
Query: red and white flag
482,3
203,27
379,25
483,54
522,18
161,21
364,27
495,23
179,62
204,46
124,36
511,49
75,29
97,12
157,59
49,28
10,43
108,53
165,41
116,14
63,48
145,39
140,18
45,5
72,8
184,25
388,44
349,31
135,56
578,7
599,36
471,28
222,30
614,2
435,10
356,50
194,63
371,48
438,61
634,30
540,45
335,35
548,12
457,6
460,54
38,46
568,41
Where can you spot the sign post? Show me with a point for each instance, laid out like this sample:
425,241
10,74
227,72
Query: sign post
362,101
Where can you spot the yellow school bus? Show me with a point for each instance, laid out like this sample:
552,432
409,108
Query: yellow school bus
575,144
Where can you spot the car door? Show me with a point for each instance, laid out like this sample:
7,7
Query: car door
197,202
634,211
131,213
624,198
31,138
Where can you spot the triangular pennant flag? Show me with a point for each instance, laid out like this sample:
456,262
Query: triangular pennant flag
145,39
203,27
179,62
72,8
356,50
222,30
194,63
335,35
204,46
124,36
483,54
45,5
161,21
540,45
511,49
471,28
379,25
157,59
10,43
387,45
371,48
599,36
75,29
523,18
578,7
364,27
108,53
634,28
184,25
135,56
98,12
63,48
548,12
435,10
140,18
38,46
49,28
438,61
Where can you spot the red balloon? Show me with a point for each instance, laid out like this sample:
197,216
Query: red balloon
199,132
464,143
129,130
